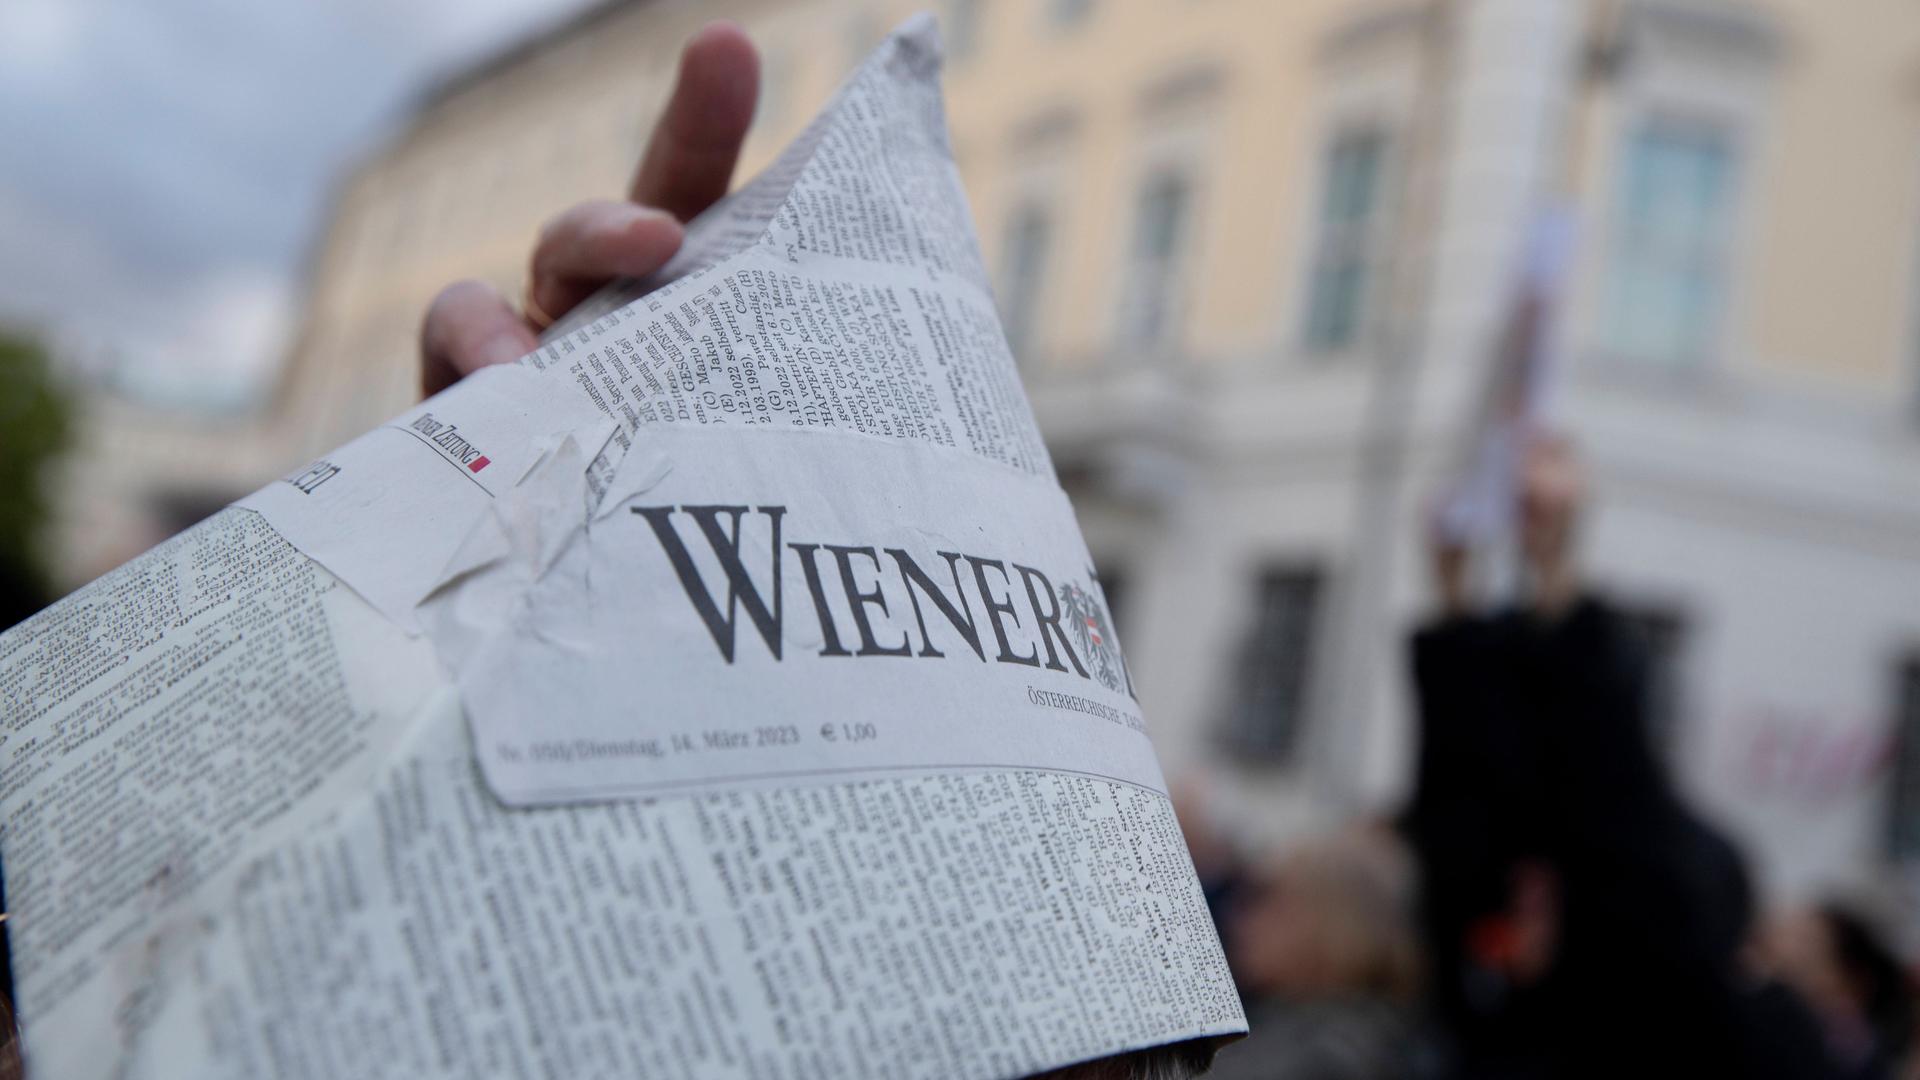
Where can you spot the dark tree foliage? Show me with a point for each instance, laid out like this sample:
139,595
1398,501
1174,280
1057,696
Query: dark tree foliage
35,423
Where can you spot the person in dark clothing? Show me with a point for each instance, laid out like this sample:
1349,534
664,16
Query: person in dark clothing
1838,960
1582,920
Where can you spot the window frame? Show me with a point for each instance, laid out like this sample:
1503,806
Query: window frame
1066,16
964,36
1367,77
1022,290
1236,731
1667,634
1714,67
1904,758
1374,242
1719,252
1170,327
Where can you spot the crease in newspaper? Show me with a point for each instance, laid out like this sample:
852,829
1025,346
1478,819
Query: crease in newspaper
387,512
513,546
488,540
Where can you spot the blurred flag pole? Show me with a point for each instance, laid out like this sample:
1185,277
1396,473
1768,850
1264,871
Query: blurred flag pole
1523,383
1351,665
1363,644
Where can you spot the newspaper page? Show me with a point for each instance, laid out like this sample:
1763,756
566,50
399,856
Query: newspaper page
722,691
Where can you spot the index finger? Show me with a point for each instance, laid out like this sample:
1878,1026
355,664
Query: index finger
689,161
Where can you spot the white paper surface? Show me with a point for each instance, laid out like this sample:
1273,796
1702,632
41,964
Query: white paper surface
266,793
897,928
202,703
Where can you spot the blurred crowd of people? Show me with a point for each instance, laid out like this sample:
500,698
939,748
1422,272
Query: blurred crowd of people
1546,904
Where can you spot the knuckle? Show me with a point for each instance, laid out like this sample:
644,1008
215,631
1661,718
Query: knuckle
457,295
452,311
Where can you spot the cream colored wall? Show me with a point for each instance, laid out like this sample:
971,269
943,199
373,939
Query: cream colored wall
1827,277
1251,133
1834,271
1828,244
463,192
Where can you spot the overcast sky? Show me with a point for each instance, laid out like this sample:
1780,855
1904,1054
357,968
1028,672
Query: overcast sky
164,165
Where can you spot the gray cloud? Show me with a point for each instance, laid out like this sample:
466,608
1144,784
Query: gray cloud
166,164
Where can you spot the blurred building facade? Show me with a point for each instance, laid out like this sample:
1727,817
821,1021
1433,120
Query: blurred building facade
1255,258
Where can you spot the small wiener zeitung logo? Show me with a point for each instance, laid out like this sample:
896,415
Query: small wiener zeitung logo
448,440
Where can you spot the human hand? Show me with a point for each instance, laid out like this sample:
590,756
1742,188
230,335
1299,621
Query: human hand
1552,490
1449,559
687,165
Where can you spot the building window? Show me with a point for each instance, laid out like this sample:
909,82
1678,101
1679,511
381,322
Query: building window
1270,698
1022,274
1913,331
1666,280
1151,301
962,29
1661,634
1065,13
1345,257
1903,821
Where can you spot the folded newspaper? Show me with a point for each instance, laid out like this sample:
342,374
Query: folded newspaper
723,691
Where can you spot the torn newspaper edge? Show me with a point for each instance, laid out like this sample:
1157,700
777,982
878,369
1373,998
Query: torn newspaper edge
778,538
